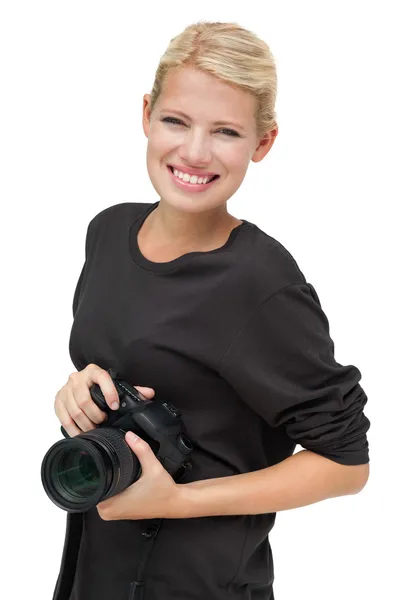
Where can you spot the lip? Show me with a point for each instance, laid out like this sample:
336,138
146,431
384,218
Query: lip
199,172
190,187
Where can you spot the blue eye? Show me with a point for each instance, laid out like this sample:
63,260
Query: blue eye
173,121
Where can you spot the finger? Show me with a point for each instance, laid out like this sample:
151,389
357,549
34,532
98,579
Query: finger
95,374
145,391
77,414
146,456
86,403
66,421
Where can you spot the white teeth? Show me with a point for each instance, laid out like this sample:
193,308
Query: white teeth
191,178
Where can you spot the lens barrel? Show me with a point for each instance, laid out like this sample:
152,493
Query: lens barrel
79,472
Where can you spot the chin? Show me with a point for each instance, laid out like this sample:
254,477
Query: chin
188,204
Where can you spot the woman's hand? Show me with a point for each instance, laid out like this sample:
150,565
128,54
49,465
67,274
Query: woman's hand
74,405
155,495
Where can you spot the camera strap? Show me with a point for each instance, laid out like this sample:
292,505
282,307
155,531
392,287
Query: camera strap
151,528
72,543
69,559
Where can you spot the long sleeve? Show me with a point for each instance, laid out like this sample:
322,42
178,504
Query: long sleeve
282,364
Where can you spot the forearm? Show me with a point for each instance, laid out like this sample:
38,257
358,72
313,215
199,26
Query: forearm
301,479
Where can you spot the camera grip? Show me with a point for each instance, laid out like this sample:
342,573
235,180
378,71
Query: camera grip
98,397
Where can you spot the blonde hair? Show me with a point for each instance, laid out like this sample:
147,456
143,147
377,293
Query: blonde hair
232,54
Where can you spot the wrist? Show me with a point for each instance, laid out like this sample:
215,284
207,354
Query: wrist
181,503
198,499
177,507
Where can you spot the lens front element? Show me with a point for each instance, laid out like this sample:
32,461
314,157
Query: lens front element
77,473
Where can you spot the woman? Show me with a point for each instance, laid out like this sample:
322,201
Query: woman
206,311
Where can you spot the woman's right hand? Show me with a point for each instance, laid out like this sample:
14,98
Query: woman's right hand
74,405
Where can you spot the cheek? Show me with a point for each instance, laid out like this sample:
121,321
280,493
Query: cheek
156,145
160,140
236,165
233,155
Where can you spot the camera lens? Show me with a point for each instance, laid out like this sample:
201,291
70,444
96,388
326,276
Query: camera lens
77,473
80,472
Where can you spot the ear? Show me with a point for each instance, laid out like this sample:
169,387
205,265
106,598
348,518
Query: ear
265,145
146,114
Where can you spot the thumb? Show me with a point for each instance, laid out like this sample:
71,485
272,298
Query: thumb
143,451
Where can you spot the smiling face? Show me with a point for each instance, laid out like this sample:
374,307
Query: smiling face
182,131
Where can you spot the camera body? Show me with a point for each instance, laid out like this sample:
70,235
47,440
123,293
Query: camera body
79,472
157,423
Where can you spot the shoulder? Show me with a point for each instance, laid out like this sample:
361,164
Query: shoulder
118,212
269,264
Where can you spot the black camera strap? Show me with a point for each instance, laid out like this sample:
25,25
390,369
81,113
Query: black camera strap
73,536
151,528
72,543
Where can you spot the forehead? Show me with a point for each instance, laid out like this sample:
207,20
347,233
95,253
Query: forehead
195,92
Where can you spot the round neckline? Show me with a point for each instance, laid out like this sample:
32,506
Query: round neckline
161,267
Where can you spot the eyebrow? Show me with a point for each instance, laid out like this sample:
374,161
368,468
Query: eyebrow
215,122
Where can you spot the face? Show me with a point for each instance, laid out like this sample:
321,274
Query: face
182,131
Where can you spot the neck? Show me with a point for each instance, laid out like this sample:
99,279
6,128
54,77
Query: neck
185,229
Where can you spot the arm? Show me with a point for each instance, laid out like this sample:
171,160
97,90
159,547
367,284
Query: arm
282,365
301,479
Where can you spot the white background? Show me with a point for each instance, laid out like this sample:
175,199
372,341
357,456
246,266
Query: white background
73,75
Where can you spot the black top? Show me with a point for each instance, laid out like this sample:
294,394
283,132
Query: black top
237,340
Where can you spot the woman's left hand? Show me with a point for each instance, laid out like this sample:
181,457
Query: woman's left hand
155,495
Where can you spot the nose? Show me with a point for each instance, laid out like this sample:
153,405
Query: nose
195,149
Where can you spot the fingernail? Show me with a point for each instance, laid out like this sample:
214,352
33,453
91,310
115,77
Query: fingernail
114,405
132,437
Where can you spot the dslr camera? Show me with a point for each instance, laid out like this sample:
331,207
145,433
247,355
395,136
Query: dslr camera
79,472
